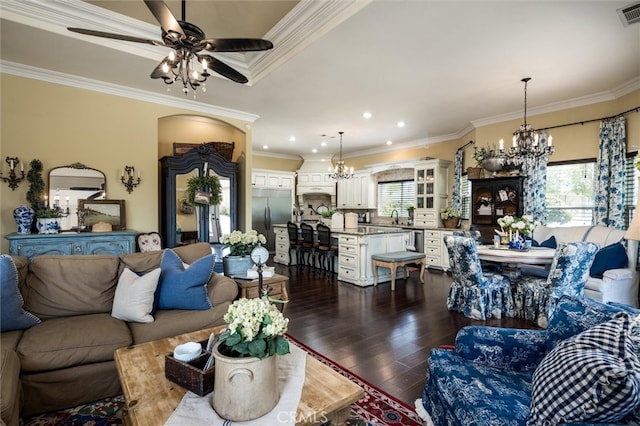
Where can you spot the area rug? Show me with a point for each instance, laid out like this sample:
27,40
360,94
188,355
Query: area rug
376,408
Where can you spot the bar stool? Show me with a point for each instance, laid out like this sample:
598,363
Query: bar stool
295,243
327,249
309,244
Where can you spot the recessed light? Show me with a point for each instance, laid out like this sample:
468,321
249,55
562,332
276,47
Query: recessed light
389,142
400,124
366,115
314,150
265,146
292,139
323,143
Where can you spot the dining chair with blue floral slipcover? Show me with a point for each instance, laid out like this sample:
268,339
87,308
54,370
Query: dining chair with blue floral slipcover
476,294
535,297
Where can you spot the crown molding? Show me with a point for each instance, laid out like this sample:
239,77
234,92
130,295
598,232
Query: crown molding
49,76
606,96
276,155
304,24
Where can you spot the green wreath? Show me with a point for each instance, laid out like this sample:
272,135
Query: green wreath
197,183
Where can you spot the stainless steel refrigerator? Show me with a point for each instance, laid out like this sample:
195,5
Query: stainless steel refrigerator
270,206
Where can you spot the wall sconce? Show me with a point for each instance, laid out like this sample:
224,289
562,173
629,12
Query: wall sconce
13,179
126,177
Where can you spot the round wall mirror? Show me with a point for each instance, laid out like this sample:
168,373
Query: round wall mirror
68,184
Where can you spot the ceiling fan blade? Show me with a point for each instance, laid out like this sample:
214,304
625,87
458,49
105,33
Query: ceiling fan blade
235,44
164,16
223,69
116,36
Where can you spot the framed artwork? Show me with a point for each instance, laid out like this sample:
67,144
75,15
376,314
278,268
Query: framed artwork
110,211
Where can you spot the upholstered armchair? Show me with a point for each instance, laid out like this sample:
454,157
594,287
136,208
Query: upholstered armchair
476,294
505,377
535,297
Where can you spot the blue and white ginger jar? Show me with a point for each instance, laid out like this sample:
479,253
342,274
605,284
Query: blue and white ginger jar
24,217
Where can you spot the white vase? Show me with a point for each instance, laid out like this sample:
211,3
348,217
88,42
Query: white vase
244,388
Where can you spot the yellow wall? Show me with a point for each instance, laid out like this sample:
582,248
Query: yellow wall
60,125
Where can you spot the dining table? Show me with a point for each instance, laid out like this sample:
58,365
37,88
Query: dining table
535,260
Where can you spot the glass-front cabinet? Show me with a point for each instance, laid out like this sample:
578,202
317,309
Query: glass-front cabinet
492,199
432,182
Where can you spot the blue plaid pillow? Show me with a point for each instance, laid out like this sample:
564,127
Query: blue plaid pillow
591,377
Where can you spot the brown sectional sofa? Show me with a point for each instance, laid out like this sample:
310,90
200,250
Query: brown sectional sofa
67,359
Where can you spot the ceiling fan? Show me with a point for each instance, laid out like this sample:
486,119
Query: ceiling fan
188,43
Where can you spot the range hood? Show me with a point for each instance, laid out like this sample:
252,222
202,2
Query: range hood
313,178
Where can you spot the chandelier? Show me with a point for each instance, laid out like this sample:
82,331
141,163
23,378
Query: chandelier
180,66
340,171
526,143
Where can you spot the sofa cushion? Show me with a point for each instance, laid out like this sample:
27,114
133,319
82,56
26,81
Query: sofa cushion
181,288
613,256
172,322
134,296
12,315
61,286
575,315
549,243
68,341
10,387
594,377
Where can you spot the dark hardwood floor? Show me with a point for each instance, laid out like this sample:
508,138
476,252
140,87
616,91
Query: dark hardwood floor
382,336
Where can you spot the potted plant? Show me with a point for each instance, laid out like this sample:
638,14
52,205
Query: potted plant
47,220
247,348
450,217
479,154
326,216
204,190
240,244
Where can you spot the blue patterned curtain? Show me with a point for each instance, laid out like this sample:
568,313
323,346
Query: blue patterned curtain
535,184
608,208
456,198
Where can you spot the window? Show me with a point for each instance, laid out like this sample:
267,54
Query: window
569,194
631,189
396,195
465,196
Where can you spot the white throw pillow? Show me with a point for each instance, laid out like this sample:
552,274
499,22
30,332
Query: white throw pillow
134,296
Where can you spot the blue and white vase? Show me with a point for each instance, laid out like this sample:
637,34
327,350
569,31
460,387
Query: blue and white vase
48,225
24,217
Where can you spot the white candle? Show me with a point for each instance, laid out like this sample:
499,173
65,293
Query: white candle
138,174
22,164
46,201
550,141
11,164
122,173
501,144
514,141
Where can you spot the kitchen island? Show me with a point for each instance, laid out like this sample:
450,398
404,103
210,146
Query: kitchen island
355,248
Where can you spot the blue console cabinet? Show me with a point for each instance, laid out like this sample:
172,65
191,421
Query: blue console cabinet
32,245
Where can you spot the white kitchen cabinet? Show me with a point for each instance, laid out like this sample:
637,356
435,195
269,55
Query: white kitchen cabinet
355,251
435,250
315,179
359,192
432,191
272,179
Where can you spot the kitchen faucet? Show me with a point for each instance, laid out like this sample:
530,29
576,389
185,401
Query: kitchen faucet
397,218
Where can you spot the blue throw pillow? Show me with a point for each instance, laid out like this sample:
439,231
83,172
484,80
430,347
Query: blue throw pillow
613,256
12,316
549,243
181,288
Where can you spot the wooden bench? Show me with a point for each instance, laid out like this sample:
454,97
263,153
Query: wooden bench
394,260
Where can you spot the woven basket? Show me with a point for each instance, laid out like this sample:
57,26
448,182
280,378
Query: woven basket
452,222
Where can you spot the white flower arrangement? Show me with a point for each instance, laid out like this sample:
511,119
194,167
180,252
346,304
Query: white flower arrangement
255,328
522,225
448,212
241,243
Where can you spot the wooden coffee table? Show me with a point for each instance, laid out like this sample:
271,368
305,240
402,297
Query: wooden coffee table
151,398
